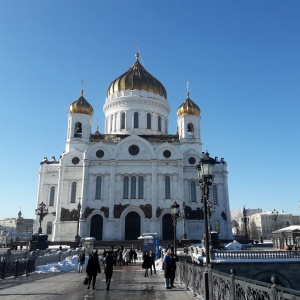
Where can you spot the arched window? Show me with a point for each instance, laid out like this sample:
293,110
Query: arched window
141,187
136,120
122,120
78,129
98,187
125,187
159,123
133,187
217,226
52,194
167,188
148,121
215,195
73,192
49,228
193,191
190,128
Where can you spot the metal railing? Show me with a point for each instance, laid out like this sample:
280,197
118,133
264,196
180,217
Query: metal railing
210,284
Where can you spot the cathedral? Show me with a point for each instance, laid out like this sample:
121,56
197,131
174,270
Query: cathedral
122,183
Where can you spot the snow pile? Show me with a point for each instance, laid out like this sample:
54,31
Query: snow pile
237,246
69,264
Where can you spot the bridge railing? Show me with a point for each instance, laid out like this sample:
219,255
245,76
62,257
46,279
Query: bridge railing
212,284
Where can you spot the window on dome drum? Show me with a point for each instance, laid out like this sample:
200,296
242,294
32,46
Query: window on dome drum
217,226
167,188
73,192
190,128
111,123
159,123
78,129
125,187
133,187
52,194
215,195
193,191
136,120
148,121
98,187
49,228
122,120
141,187
166,127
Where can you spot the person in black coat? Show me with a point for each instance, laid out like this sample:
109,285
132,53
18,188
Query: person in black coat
146,263
174,259
109,263
92,268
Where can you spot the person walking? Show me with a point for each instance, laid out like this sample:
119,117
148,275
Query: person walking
167,267
152,255
81,260
146,263
92,268
174,259
109,263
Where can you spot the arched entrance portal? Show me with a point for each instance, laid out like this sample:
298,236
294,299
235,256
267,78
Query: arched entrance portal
168,229
96,227
132,226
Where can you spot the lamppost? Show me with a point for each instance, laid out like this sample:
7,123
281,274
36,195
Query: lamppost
206,178
245,219
184,235
77,237
175,215
275,216
41,211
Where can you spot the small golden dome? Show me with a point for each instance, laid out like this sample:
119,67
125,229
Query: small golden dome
81,106
188,107
137,78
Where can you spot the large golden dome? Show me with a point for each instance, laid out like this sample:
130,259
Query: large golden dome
137,78
81,106
188,107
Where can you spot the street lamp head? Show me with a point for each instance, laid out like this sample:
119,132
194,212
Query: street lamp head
175,209
205,168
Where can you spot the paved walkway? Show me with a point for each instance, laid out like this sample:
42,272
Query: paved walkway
128,282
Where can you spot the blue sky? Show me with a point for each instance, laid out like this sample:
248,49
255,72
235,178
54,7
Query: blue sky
241,59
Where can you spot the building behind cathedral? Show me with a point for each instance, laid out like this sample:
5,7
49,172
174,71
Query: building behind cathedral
127,178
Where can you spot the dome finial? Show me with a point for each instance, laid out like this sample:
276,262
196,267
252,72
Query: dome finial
82,91
187,89
137,55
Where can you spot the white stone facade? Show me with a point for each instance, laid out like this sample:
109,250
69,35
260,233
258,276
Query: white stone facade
127,179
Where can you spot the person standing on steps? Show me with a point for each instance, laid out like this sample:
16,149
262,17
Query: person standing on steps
152,255
92,268
146,263
109,263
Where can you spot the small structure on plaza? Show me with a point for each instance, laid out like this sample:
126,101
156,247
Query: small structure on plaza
287,238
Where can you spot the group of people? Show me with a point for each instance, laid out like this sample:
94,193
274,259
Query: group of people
123,256
93,267
148,263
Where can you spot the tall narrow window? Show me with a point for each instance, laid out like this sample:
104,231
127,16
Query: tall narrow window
78,129
52,194
167,188
136,120
193,191
166,126
215,195
148,121
141,187
98,187
111,123
159,123
217,226
122,120
125,187
49,228
73,192
133,187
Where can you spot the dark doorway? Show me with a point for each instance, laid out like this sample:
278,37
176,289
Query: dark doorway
96,227
132,226
168,229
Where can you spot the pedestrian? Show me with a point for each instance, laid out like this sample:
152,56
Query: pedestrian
174,259
146,263
167,267
93,267
152,255
134,256
109,263
81,260
126,257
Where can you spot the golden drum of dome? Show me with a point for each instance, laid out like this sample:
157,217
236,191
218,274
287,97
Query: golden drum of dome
188,107
137,78
81,106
